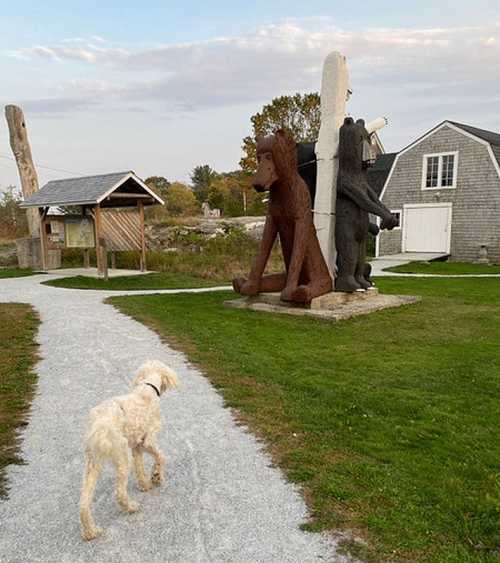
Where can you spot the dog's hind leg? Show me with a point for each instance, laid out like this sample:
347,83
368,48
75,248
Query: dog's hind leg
122,465
159,458
143,482
90,476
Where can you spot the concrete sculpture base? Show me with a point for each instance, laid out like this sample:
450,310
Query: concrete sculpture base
333,306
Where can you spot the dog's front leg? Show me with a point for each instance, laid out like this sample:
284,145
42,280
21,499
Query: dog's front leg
159,458
143,482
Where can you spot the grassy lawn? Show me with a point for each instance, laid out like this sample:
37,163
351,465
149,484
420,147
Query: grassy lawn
18,325
389,422
16,272
445,268
159,280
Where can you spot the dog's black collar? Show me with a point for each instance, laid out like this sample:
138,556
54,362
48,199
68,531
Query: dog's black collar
153,386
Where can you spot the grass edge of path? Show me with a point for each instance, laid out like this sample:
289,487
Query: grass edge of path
17,380
7,273
144,282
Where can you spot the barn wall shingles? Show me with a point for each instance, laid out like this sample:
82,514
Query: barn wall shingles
475,200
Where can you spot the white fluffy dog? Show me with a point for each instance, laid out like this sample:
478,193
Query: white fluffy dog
117,425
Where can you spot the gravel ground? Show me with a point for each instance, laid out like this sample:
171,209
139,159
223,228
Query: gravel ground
223,500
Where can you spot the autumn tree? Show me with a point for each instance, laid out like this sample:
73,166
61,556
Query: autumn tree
13,221
299,114
201,178
233,194
180,200
159,184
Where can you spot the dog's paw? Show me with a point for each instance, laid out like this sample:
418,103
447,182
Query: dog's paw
157,478
145,486
132,507
91,534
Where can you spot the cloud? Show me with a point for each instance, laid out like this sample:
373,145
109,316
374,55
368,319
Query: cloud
55,106
91,50
277,59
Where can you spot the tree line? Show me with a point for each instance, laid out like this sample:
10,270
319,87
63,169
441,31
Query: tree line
231,192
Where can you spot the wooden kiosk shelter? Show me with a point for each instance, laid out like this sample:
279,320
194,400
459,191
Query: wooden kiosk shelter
90,216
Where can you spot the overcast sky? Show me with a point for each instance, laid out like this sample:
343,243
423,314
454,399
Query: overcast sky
160,87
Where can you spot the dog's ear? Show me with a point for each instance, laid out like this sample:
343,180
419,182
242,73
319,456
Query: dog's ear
140,376
169,379
157,373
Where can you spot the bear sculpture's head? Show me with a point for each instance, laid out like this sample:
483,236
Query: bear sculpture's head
354,145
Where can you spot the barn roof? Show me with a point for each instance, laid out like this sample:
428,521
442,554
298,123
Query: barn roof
488,136
377,174
117,189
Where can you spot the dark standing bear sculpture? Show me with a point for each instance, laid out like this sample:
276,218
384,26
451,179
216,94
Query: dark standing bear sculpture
355,200
289,216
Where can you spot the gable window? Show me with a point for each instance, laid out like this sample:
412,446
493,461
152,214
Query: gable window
439,171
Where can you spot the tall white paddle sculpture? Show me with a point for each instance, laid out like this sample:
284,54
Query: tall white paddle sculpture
334,93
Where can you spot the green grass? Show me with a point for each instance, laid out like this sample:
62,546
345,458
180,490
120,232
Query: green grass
445,268
160,280
389,422
16,272
18,325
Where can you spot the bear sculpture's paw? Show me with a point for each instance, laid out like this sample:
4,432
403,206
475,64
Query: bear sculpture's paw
348,284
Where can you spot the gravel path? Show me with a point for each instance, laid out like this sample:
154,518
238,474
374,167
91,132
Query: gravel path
223,501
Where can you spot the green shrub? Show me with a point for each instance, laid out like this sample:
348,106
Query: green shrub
222,256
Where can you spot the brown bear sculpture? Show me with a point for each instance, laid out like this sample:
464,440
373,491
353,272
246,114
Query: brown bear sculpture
289,216
355,200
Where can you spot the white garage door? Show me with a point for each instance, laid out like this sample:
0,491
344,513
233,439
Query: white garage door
427,228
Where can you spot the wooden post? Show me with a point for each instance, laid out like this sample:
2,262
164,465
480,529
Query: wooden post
140,206
104,258
43,237
22,152
97,223
113,260
86,258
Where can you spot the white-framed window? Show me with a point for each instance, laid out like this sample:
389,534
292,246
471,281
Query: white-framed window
399,217
440,171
